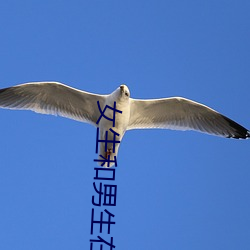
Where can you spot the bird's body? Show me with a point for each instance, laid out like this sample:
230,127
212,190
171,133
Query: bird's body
121,122
167,113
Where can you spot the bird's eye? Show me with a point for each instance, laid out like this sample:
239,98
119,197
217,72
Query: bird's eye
126,93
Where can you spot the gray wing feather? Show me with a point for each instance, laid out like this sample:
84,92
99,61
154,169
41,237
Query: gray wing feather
182,114
53,98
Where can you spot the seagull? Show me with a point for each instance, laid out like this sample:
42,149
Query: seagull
176,113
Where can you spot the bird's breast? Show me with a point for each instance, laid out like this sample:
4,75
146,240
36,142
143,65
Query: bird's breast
119,120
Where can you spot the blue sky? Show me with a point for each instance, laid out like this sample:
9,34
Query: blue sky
176,190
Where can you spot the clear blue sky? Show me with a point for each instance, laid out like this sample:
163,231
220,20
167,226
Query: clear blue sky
176,190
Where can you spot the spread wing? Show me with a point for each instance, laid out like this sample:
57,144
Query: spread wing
53,98
182,114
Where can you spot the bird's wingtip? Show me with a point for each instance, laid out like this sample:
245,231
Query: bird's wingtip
239,131
3,90
248,134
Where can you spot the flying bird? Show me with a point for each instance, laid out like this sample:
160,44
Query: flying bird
175,113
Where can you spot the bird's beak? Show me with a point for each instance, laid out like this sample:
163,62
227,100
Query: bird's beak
122,88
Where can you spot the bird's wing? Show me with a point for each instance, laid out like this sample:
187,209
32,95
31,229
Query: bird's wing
53,98
182,114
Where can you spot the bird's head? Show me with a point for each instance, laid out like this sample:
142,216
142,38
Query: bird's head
124,91
121,94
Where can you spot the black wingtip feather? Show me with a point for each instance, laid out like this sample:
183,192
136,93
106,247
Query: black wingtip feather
3,90
239,131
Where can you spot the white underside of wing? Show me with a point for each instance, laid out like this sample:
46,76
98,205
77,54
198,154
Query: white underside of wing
182,114
53,98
